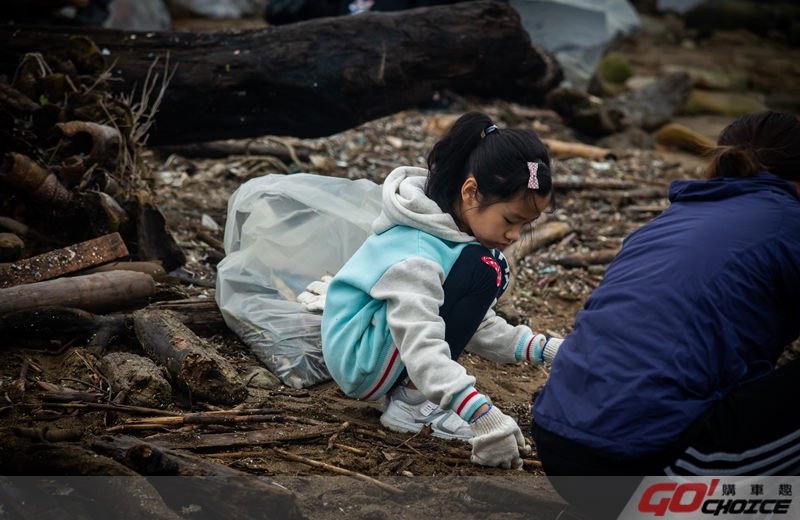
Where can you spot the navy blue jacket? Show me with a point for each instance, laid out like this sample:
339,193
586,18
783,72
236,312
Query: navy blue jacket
699,301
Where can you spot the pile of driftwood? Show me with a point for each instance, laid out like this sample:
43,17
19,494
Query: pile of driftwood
71,168
75,208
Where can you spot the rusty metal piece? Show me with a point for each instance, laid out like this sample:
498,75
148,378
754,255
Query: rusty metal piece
29,179
72,170
97,144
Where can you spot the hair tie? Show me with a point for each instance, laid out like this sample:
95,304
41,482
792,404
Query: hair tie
488,130
533,181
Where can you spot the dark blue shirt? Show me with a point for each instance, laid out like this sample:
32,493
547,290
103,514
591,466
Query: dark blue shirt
700,300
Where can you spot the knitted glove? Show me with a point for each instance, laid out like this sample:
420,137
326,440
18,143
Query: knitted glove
497,440
313,300
551,348
541,349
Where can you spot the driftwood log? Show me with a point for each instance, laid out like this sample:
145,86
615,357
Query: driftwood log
603,256
202,316
319,77
208,376
100,291
220,491
579,150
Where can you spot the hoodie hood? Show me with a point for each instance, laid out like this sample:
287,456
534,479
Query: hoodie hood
725,187
405,204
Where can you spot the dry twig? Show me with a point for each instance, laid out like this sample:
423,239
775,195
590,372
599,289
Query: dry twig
340,471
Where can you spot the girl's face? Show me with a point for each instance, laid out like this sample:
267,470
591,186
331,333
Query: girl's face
499,224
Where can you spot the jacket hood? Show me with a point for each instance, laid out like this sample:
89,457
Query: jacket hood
405,204
724,187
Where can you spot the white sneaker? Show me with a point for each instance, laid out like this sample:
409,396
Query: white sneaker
408,411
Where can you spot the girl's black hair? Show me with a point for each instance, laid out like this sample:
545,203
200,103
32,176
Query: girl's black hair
767,141
498,161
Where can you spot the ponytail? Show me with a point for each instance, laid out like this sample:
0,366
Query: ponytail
768,141
733,161
448,162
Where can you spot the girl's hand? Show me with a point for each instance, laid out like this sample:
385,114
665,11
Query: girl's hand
497,441
313,300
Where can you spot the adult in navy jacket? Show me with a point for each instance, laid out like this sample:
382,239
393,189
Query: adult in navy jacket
669,369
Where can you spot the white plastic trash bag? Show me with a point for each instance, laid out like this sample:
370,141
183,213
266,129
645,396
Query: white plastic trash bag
138,15
284,232
222,8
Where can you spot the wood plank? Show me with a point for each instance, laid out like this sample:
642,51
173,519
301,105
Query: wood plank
63,261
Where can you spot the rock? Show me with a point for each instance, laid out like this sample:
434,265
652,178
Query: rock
140,378
614,68
632,137
637,82
652,106
722,103
260,377
647,108
675,135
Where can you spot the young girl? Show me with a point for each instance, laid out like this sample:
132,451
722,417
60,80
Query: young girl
420,290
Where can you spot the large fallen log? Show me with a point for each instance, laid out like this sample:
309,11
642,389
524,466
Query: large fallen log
315,78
